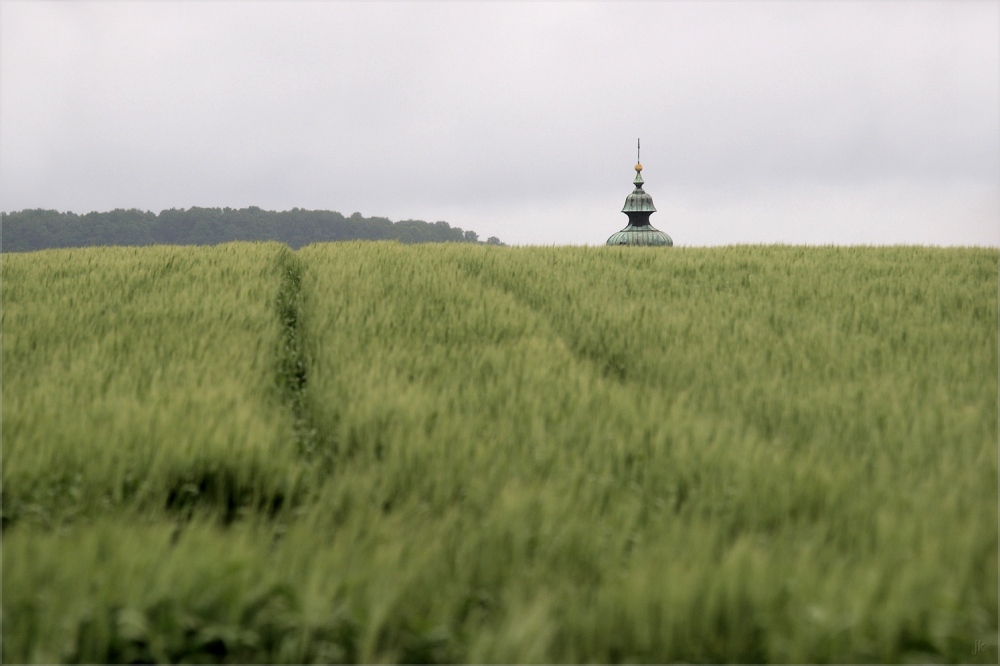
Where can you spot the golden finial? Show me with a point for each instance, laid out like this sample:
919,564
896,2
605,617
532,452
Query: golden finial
638,164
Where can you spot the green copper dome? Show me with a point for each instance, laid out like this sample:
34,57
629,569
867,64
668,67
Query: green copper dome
638,201
639,206
646,235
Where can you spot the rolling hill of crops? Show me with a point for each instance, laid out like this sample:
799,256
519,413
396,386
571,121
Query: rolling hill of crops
379,452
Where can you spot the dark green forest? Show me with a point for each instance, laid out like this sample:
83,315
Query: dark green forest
38,229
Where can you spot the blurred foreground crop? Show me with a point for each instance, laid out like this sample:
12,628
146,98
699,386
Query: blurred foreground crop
378,452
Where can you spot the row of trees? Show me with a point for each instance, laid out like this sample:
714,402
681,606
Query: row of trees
37,229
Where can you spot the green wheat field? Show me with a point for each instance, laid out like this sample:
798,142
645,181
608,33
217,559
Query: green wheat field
447,453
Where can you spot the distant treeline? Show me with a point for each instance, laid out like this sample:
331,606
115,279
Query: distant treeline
38,229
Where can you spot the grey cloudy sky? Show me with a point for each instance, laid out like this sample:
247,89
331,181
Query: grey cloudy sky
760,122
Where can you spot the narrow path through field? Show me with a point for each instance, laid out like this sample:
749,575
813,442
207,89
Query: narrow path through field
520,291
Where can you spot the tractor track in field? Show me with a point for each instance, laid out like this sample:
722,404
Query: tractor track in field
607,367
293,377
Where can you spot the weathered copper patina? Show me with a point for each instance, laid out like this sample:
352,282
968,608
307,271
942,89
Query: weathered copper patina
639,206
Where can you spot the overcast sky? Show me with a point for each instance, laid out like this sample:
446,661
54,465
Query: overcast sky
853,123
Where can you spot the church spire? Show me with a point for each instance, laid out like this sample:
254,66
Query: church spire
638,167
639,206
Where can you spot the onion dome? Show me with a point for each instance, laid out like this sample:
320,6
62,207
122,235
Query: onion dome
639,206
